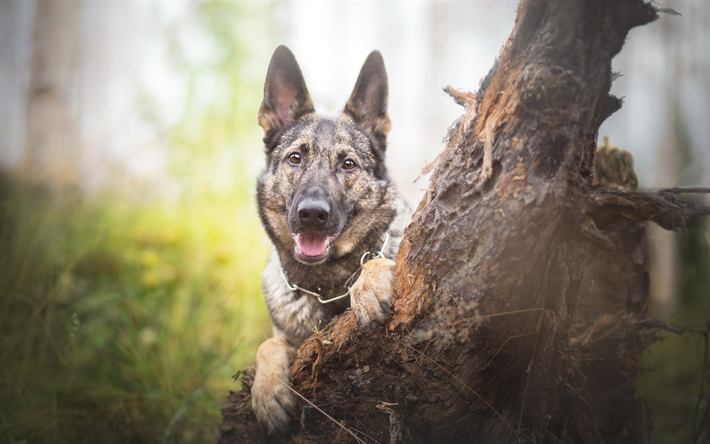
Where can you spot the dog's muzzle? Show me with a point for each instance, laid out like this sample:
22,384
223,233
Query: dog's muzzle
314,227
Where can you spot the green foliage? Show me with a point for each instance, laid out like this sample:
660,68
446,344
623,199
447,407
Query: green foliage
218,140
676,379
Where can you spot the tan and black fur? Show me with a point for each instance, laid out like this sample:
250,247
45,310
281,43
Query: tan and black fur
325,200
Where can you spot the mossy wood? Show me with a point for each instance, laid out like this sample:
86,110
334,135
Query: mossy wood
522,283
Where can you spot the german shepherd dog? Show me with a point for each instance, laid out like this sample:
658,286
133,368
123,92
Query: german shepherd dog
328,206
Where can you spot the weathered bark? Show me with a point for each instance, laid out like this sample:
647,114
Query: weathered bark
521,284
51,155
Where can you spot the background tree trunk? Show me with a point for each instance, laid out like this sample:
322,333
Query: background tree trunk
51,155
522,284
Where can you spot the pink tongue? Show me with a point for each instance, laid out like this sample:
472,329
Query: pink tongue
312,244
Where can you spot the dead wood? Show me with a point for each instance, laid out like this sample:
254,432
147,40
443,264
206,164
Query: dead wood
521,282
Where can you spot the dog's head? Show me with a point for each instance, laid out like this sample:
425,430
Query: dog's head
325,187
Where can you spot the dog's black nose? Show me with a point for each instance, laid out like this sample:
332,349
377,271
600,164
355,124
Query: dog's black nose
313,213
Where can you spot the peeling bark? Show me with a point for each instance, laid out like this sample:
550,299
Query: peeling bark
521,283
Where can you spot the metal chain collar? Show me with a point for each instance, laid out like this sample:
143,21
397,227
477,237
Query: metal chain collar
375,255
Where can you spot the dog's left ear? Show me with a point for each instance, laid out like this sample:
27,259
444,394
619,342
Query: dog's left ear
368,103
286,97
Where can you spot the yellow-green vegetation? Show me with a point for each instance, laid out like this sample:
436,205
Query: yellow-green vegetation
114,316
124,315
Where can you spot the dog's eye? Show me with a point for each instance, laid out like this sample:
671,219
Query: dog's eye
294,159
349,164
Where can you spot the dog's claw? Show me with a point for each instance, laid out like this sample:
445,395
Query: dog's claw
372,296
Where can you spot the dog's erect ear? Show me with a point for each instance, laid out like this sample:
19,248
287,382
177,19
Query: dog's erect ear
368,103
285,94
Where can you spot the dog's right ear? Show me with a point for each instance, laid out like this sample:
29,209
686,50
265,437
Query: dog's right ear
286,97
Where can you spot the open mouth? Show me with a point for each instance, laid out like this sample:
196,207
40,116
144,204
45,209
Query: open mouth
311,246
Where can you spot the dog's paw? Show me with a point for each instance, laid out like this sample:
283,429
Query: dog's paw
372,296
272,402
271,399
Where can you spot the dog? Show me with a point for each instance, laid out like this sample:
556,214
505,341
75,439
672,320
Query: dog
328,207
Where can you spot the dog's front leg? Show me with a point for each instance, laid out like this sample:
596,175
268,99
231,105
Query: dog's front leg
272,401
372,296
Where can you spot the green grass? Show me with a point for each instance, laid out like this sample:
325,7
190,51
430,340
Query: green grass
114,314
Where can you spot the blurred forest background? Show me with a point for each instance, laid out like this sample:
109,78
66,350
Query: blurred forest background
131,248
